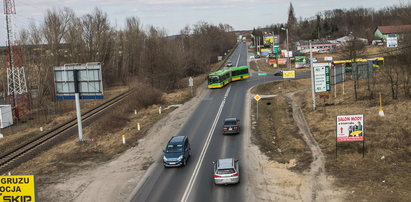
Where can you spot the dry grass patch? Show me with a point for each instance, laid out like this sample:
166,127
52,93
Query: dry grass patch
20,133
384,173
278,136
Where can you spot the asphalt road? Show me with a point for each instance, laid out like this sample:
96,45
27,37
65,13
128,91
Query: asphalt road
194,182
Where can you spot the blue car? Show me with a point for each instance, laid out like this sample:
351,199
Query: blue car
177,152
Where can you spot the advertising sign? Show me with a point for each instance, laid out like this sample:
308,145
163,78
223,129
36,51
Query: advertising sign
350,128
288,74
271,61
328,58
321,77
392,40
300,61
17,188
268,39
85,78
282,61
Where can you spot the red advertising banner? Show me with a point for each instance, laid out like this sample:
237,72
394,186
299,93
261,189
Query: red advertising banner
282,61
271,61
350,128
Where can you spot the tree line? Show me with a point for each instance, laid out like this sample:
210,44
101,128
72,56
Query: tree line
127,55
332,24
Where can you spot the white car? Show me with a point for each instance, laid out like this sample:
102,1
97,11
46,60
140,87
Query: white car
226,171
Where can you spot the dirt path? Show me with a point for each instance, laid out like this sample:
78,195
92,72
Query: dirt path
273,181
318,185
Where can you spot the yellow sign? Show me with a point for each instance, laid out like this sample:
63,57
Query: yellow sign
17,188
288,74
257,97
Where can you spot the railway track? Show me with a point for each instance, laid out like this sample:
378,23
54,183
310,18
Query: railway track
28,150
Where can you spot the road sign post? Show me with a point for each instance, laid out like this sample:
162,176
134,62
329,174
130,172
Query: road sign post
257,98
191,84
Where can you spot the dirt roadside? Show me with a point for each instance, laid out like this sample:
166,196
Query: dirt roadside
274,181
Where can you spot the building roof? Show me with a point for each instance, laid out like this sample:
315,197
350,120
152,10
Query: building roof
394,29
307,43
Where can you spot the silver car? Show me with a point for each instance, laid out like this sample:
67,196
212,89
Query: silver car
226,171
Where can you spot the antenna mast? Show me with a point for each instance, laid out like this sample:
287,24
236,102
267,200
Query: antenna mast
16,78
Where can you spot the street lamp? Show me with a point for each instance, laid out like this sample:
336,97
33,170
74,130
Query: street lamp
288,55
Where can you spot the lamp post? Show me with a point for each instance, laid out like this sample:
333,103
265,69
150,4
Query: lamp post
288,55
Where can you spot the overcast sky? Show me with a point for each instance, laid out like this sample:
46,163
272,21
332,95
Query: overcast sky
173,15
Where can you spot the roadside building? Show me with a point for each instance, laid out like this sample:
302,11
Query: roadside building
343,41
385,32
317,46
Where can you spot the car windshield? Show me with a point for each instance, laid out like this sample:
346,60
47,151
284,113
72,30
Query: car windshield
171,148
225,171
230,123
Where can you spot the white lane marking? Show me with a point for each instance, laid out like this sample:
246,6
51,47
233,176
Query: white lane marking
203,151
238,59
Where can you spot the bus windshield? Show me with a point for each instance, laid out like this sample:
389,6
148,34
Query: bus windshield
213,79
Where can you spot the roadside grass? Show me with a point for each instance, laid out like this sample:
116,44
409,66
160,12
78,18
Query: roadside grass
276,133
384,172
104,136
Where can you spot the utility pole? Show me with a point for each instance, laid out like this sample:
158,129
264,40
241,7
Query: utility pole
312,76
288,53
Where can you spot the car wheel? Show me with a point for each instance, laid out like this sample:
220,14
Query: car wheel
184,162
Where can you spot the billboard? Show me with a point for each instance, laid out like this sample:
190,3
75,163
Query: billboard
350,128
88,78
282,61
392,40
272,61
288,74
268,40
300,61
17,188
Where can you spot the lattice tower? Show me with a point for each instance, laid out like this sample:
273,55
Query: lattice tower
16,78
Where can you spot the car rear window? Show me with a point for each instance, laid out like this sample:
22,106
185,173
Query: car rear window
230,123
225,171
174,148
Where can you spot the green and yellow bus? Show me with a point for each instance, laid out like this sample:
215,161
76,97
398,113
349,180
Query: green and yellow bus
376,62
219,79
239,73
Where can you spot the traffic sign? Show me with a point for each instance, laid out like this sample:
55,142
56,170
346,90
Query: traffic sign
257,98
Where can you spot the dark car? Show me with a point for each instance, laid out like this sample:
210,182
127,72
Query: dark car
257,56
231,126
279,73
177,151
229,64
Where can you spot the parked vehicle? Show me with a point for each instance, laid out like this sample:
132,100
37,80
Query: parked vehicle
226,171
231,126
279,73
177,151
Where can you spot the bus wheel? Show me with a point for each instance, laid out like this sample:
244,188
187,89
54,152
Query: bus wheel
241,78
